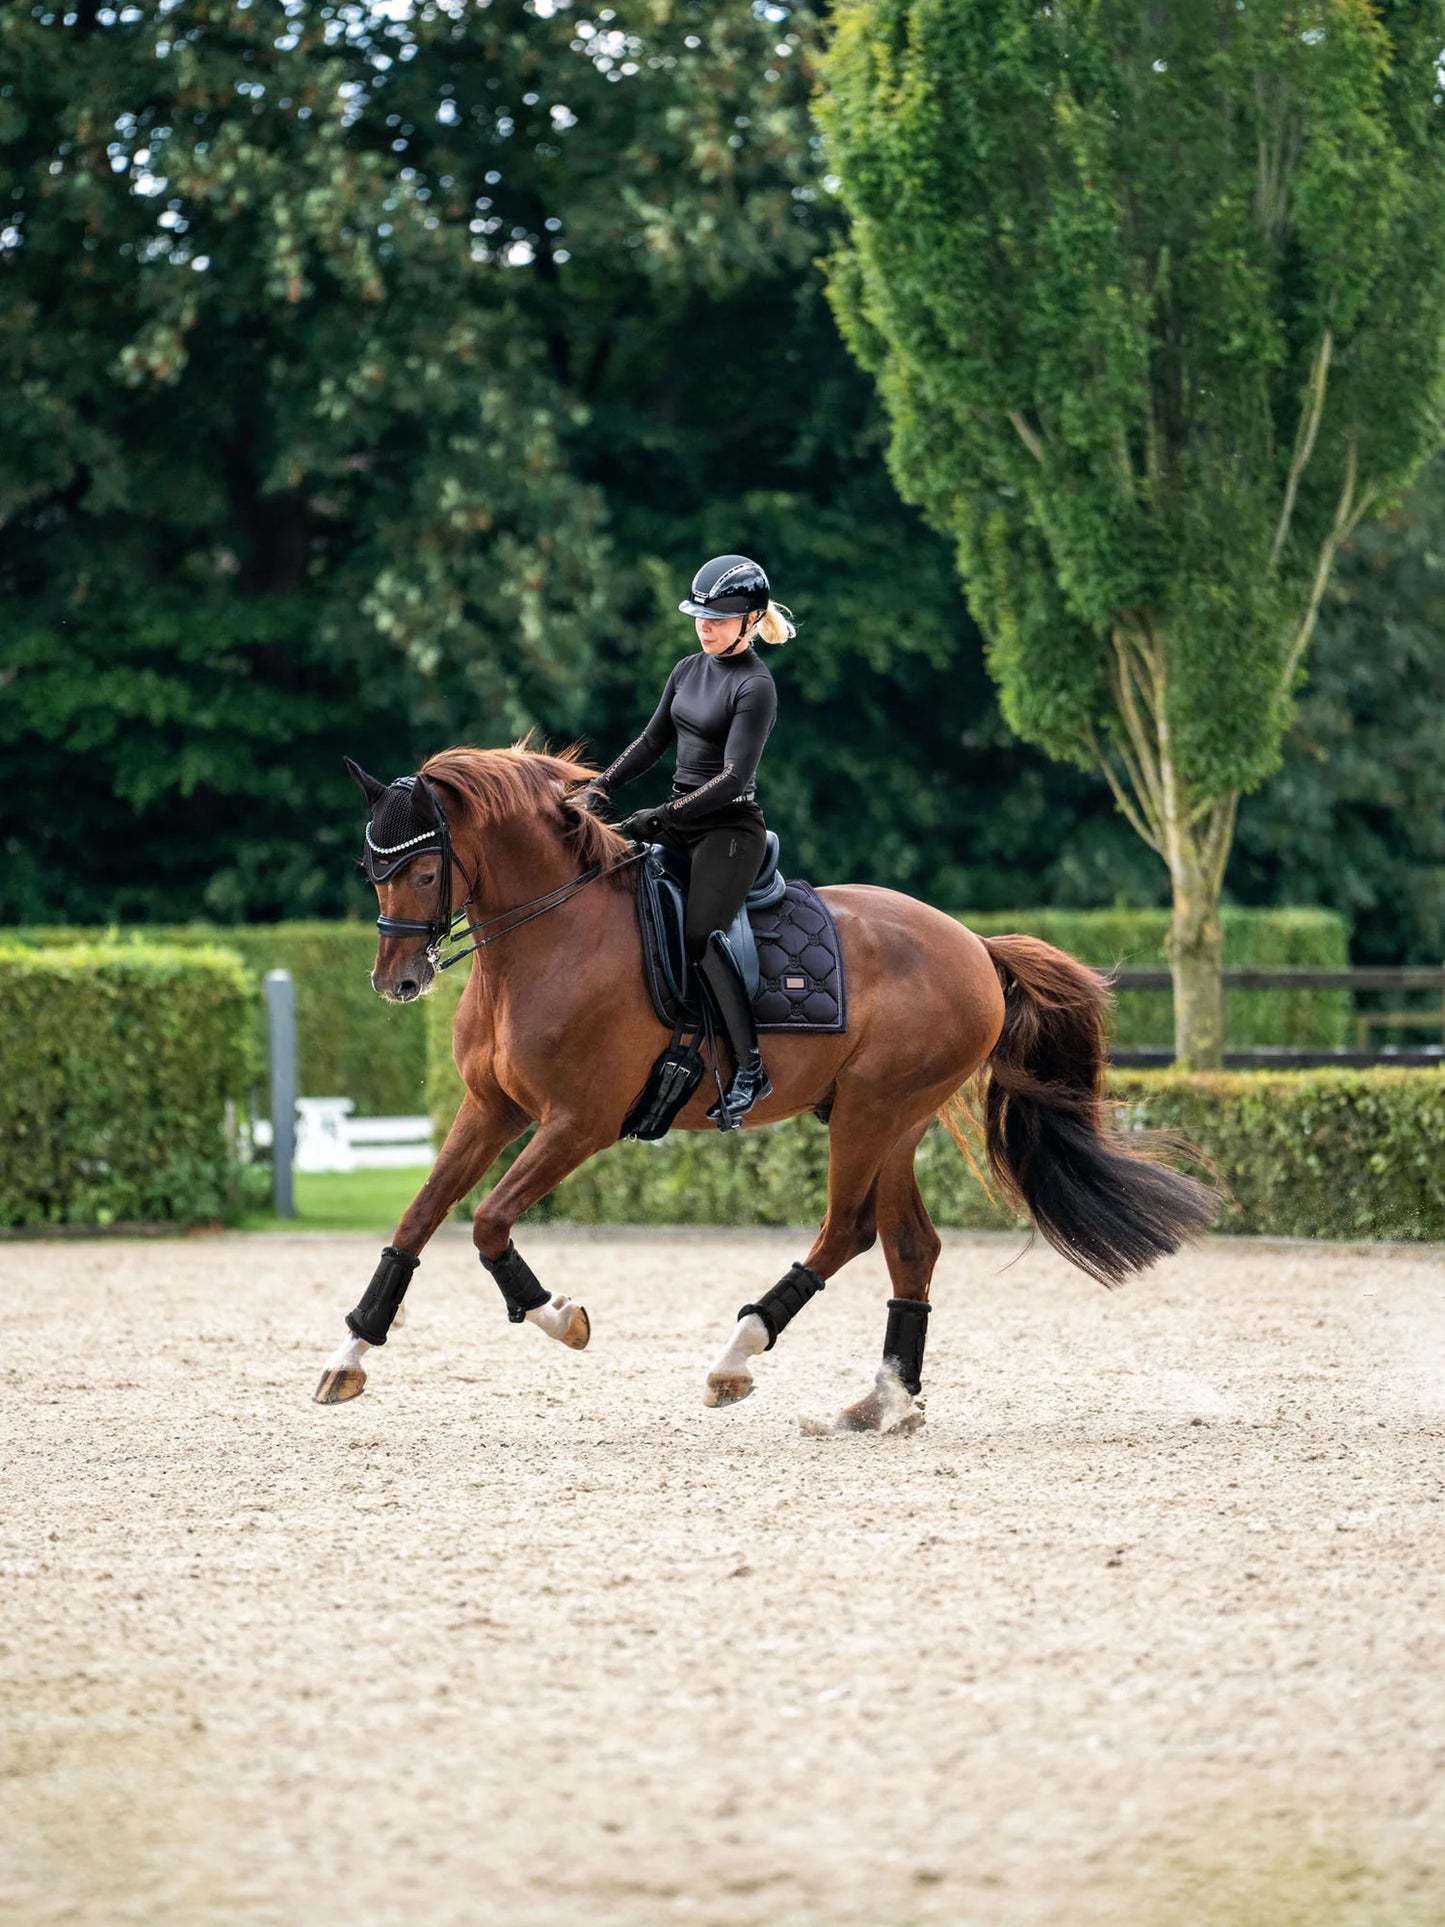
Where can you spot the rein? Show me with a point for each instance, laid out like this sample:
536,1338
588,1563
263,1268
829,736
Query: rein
442,928
558,897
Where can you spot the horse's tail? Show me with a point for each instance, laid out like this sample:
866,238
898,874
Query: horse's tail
1103,1197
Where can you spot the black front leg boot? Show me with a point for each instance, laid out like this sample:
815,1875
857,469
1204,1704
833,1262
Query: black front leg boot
779,1306
727,994
517,1283
381,1301
903,1341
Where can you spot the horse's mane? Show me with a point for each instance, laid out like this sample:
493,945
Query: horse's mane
494,784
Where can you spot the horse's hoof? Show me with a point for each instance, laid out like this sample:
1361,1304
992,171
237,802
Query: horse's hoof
889,1408
721,1390
579,1330
338,1386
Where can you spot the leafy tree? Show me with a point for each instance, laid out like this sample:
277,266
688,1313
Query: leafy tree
305,309
507,316
1154,300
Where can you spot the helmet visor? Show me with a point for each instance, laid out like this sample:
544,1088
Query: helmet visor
726,605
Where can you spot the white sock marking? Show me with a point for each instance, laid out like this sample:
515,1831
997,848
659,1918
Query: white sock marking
349,1356
553,1317
750,1338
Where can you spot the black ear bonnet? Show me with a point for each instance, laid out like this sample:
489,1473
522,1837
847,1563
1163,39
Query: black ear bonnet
405,823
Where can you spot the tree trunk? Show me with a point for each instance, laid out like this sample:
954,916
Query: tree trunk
1195,946
1192,837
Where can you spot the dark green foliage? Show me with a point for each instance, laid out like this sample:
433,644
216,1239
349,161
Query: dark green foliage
349,1042
351,490
1356,817
306,322
189,649
197,743
124,1071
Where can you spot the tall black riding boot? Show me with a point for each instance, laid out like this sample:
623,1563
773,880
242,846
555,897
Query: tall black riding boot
723,986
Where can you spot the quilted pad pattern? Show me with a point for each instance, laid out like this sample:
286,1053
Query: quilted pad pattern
800,965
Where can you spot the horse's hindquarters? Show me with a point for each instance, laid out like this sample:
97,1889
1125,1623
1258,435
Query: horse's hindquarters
925,1003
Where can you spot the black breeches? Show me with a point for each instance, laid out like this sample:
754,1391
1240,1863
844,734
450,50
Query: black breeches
726,851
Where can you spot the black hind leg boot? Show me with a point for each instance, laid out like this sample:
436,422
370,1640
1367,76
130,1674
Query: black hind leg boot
903,1340
517,1282
727,995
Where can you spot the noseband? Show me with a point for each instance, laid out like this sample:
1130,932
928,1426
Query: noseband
442,927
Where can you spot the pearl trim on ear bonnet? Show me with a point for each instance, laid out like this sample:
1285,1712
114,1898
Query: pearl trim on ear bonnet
403,825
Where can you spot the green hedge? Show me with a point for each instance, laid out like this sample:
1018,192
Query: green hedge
1255,939
1328,1154
1128,938
121,1072
1311,1154
1306,1154
350,1043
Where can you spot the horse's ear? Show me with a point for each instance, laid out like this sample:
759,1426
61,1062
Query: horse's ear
368,785
423,803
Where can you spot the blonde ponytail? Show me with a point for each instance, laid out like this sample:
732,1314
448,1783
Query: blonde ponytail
776,624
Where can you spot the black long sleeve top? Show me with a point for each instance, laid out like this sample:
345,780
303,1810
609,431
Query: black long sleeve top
721,711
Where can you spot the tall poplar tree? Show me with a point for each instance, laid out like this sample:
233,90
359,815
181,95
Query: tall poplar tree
1155,300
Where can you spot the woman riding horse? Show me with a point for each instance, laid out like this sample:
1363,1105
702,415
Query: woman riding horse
556,1029
720,706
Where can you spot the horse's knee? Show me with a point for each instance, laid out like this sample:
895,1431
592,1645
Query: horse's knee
846,1239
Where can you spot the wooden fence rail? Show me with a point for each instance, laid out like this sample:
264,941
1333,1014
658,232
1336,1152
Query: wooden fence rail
1289,1057
1406,977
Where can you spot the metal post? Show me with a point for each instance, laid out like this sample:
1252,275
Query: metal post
281,1034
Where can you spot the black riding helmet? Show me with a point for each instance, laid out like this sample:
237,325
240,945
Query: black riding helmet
729,585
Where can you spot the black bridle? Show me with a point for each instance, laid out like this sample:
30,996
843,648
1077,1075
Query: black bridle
442,928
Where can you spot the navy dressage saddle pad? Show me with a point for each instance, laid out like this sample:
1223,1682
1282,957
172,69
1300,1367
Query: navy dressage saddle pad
784,939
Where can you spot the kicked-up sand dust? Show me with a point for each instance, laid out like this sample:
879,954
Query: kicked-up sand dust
1146,1627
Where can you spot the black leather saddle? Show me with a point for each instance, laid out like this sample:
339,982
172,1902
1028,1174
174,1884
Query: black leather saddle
664,888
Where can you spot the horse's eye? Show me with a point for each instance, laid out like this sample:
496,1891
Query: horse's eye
427,879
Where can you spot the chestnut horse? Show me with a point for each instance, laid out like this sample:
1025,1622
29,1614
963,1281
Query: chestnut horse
556,1028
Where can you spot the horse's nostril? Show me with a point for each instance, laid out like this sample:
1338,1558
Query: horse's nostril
407,989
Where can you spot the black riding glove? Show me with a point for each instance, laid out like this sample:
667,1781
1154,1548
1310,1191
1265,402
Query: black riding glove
644,826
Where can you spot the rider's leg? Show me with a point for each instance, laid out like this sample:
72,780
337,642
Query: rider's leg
725,990
725,860
725,856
